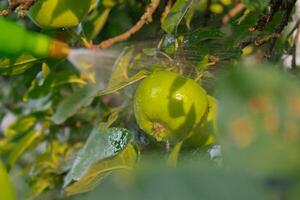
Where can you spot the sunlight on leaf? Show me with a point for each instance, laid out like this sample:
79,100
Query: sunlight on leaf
117,86
123,161
174,154
17,66
101,144
43,88
22,146
95,22
176,15
72,104
119,78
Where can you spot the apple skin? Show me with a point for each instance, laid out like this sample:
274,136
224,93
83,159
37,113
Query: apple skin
205,135
168,106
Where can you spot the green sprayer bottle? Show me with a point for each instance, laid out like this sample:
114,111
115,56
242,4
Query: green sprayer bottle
16,40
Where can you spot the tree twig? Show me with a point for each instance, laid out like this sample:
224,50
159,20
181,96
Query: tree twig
268,38
166,10
145,19
267,15
247,41
233,12
284,21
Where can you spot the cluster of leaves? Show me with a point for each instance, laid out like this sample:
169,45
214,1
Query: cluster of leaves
57,125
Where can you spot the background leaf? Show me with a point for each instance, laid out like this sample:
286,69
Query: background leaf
22,146
95,22
101,144
72,104
119,78
17,66
176,15
123,161
195,182
255,4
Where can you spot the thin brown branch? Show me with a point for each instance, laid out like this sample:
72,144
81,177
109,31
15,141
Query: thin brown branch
257,41
280,27
238,8
145,19
21,6
267,15
260,42
166,10
247,41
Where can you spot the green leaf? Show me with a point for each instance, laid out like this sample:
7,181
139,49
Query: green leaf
203,34
38,187
48,166
117,86
255,4
257,114
22,125
22,146
113,116
121,66
45,70
101,144
109,3
40,104
174,154
204,63
81,98
119,78
190,13
204,182
40,88
95,22
17,66
123,161
176,14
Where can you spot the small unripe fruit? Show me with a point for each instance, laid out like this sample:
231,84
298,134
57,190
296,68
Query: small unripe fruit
168,106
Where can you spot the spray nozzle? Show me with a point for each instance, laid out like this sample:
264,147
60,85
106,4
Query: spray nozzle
58,49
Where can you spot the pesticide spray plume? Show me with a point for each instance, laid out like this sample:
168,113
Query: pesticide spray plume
95,64
99,64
